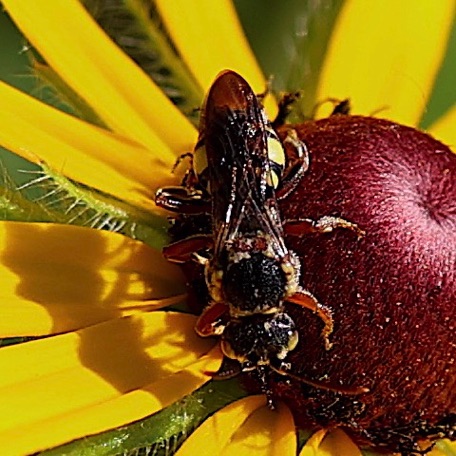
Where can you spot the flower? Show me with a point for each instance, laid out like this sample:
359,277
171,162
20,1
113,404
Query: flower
113,357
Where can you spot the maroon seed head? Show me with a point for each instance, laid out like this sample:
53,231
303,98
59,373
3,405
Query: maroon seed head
392,292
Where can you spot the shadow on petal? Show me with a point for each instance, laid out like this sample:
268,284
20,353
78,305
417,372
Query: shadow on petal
57,278
58,389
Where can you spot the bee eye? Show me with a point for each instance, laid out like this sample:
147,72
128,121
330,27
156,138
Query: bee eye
276,156
276,153
293,340
200,160
227,350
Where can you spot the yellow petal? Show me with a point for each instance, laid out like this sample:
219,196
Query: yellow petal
338,443
445,128
120,93
58,389
443,448
245,427
210,39
265,433
217,431
385,56
334,443
55,278
311,448
85,153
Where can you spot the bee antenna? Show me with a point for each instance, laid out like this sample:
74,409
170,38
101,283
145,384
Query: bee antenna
351,391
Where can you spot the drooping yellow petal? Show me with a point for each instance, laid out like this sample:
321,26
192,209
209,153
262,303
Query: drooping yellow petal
265,433
443,448
120,93
58,389
324,443
312,446
385,56
337,442
85,153
210,39
445,128
245,427
56,278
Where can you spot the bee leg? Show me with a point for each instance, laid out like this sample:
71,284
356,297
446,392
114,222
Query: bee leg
230,368
296,168
190,178
343,108
306,299
351,391
339,106
180,159
213,320
325,224
183,200
186,249
285,108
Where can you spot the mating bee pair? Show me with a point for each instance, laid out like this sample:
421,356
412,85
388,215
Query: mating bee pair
240,172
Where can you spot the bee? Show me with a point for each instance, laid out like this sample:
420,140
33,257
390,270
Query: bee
240,172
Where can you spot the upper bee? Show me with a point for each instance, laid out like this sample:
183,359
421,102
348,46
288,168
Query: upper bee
238,165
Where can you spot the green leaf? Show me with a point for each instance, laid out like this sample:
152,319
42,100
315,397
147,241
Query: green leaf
290,40
444,95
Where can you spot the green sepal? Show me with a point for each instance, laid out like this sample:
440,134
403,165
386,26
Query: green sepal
135,26
161,433
52,197
56,92
443,96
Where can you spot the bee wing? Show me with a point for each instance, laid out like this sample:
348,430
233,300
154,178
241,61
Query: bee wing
234,133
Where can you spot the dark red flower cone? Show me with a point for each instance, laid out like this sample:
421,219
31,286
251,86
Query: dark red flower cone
392,291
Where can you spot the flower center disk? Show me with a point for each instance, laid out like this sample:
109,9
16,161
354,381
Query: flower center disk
392,292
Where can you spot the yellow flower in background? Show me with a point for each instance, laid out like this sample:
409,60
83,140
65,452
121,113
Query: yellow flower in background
114,357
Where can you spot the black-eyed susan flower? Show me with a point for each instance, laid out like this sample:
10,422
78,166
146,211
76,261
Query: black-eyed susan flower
113,356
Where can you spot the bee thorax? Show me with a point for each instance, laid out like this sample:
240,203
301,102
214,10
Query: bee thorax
255,284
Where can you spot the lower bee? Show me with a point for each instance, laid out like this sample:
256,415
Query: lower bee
240,171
